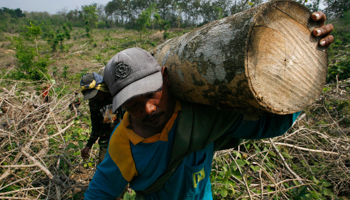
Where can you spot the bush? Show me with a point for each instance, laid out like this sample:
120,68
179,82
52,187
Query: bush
339,57
30,64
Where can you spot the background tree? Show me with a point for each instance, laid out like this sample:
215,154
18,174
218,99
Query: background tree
90,16
336,8
314,5
338,53
164,9
75,18
33,33
116,10
10,19
57,38
144,20
102,17
7,12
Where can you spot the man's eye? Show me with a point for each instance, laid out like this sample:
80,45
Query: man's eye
150,95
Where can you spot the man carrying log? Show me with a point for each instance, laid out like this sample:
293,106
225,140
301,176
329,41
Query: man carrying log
103,120
164,147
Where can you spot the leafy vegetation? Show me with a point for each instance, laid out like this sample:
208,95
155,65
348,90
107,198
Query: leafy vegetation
339,66
9,18
31,65
41,141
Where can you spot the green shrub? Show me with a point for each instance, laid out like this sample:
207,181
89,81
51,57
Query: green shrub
30,64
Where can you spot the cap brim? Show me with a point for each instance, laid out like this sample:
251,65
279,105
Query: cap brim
145,85
89,94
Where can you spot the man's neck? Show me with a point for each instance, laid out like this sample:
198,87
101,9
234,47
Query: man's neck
144,131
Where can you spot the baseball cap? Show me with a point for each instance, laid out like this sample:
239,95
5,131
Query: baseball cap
90,84
130,73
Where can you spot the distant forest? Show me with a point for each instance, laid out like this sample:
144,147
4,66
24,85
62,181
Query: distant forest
162,13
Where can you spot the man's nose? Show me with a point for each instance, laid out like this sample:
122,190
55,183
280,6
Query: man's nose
150,107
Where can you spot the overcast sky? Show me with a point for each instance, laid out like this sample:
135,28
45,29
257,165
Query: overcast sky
50,6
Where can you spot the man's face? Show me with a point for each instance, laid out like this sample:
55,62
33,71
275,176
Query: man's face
153,109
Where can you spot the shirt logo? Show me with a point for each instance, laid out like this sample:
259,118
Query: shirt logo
197,177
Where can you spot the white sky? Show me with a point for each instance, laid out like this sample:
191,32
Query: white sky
50,6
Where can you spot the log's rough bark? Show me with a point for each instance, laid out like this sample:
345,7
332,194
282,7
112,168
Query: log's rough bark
263,58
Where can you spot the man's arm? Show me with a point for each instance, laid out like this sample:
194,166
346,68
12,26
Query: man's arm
96,124
269,125
266,127
95,118
107,183
213,125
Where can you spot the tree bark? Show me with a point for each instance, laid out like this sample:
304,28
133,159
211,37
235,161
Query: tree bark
264,58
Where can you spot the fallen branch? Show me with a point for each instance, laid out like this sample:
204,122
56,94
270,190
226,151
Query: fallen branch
244,179
21,190
268,193
18,166
58,133
6,133
285,163
38,164
301,148
271,179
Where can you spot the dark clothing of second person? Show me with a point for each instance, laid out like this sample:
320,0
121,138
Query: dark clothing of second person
103,121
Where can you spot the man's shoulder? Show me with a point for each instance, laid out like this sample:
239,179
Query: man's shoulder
202,108
207,114
120,151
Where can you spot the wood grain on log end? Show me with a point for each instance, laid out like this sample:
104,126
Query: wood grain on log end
286,69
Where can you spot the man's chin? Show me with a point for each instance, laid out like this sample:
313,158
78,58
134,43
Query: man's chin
158,124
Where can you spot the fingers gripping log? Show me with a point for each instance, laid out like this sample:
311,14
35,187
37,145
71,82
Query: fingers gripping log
264,58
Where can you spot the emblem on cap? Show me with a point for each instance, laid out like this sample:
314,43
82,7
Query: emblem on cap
122,70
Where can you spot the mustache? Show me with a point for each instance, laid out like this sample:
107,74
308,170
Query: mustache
153,115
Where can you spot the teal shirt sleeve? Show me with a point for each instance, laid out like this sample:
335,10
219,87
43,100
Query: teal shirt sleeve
107,183
268,126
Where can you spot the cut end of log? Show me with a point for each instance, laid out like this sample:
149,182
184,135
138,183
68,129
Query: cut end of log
285,67
262,58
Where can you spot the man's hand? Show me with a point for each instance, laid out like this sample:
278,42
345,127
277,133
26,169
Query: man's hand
324,30
85,152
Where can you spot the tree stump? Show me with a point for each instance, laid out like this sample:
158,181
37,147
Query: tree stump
264,58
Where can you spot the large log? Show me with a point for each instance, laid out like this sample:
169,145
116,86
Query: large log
263,58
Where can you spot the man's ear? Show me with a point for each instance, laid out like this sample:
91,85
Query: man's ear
165,76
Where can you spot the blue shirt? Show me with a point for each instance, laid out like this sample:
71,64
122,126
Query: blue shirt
191,178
